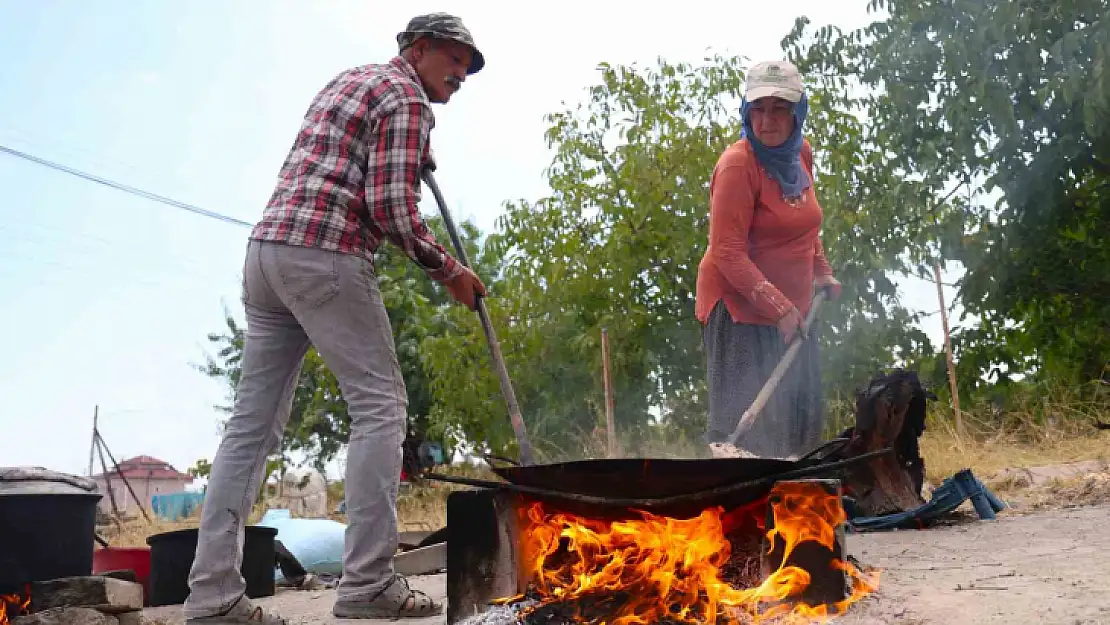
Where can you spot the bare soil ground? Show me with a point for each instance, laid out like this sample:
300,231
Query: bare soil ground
314,607
1046,567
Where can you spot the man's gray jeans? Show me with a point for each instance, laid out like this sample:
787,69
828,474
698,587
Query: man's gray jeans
294,296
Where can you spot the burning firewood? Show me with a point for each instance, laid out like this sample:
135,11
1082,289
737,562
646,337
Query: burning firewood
744,565
13,605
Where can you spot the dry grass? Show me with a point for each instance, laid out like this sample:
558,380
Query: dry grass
1035,430
133,532
419,508
424,506
946,453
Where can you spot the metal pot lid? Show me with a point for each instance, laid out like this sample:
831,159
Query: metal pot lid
42,481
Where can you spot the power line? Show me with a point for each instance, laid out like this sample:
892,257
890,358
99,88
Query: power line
125,188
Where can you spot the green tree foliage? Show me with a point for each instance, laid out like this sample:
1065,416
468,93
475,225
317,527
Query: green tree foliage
1001,109
948,130
617,245
319,425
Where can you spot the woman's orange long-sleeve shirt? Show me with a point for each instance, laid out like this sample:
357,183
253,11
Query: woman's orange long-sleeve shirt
764,252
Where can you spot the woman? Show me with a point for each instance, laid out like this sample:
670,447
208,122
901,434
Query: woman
758,276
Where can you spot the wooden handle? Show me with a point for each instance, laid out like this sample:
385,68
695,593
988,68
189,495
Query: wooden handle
491,338
748,419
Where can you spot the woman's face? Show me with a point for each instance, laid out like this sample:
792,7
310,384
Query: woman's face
772,120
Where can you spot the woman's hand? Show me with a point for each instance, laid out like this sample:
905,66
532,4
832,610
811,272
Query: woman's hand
830,284
791,324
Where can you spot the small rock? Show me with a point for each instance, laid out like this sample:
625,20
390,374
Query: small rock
67,616
126,575
103,593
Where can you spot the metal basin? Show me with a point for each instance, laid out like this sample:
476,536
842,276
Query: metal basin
643,477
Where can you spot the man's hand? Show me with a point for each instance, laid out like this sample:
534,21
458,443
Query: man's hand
831,286
464,286
791,324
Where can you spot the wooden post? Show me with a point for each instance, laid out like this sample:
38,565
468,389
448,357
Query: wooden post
611,428
92,445
107,477
948,354
119,472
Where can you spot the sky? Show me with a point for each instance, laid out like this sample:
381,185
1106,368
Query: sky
106,298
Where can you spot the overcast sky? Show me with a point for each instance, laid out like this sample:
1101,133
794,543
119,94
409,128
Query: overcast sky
106,298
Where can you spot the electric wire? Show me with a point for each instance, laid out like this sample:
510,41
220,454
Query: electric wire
125,188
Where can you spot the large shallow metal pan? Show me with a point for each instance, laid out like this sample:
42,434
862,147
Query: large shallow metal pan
643,477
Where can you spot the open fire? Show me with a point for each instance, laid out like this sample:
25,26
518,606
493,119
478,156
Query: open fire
13,605
721,566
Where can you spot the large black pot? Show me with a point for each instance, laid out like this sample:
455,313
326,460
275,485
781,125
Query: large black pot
47,526
171,558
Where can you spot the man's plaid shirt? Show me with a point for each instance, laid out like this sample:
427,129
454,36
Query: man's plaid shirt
352,177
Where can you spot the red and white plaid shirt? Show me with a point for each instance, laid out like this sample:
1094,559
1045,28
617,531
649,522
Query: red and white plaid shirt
352,177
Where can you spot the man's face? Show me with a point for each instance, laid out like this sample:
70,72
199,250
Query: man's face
441,65
772,120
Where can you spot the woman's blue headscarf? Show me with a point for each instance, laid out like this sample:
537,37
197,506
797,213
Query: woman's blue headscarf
784,162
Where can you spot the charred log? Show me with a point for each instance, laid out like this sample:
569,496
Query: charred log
890,412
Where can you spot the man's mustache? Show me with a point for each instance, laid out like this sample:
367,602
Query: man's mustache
453,82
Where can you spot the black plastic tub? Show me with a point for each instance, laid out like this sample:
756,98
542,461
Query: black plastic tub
47,527
172,553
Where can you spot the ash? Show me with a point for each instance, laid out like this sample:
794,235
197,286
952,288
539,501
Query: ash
525,612
743,567
500,614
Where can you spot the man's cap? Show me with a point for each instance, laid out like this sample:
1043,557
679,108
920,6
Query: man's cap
778,79
441,26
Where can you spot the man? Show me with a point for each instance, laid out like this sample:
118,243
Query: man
351,179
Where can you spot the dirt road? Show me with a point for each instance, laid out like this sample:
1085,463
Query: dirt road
1050,567
1046,568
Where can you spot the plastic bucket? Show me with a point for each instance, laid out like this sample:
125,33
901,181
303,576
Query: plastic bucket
136,559
171,558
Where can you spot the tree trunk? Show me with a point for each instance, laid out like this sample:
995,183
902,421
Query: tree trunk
890,412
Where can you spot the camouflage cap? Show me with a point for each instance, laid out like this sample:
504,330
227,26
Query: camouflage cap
441,26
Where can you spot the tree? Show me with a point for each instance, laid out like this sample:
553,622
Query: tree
202,468
319,424
1000,108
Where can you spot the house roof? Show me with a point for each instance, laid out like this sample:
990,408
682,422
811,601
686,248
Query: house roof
146,468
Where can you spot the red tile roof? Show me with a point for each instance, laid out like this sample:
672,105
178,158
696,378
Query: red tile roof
144,468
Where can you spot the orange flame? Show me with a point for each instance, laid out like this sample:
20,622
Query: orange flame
12,606
656,568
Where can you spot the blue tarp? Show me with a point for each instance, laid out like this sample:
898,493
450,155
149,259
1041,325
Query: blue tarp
946,498
176,506
316,543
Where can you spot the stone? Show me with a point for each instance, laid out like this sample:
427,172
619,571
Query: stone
67,616
126,575
130,618
105,594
